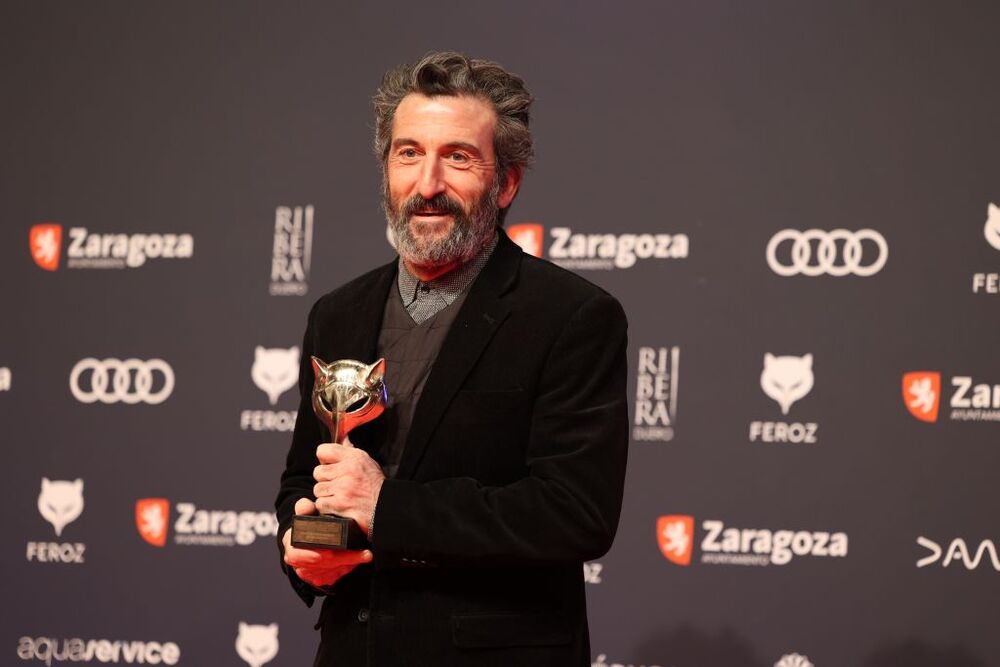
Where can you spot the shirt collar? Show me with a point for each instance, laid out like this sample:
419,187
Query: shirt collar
448,286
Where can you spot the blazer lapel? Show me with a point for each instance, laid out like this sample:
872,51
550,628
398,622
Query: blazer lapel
481,315
357,329
359,324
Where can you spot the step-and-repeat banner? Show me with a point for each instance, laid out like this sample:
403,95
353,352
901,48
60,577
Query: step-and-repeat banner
795,203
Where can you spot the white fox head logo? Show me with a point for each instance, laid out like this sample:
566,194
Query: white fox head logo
257,644
793,660
992,229
275,370
60,502
786,379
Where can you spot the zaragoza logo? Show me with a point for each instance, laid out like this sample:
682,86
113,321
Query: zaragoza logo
45,241
922,394
725,545
151,518
597,251
675,535
528,235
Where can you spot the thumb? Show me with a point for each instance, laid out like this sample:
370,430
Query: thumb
304,506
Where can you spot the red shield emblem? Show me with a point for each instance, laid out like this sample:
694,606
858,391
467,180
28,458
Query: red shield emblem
675,535
45,242
922,394
528,235
152,515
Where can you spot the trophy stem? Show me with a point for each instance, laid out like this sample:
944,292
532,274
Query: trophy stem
340,386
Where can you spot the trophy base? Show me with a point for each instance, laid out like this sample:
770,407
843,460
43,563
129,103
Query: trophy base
327,531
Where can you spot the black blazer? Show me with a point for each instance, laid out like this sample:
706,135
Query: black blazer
511,477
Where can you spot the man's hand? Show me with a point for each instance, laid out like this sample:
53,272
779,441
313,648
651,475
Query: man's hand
348,482
320,567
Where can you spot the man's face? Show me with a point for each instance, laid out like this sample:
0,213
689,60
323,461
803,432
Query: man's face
442,192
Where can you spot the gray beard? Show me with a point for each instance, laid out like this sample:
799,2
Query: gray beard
469,233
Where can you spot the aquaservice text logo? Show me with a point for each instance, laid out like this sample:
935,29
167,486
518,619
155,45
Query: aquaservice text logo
723,545
76,649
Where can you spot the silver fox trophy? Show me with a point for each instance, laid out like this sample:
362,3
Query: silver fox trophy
346,394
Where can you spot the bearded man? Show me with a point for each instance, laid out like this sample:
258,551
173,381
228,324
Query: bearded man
498,466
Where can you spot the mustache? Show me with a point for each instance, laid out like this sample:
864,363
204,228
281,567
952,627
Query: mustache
439,202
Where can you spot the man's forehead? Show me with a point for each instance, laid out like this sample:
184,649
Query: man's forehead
444,114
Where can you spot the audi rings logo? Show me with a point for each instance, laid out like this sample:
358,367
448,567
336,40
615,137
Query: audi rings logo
130,381
838,252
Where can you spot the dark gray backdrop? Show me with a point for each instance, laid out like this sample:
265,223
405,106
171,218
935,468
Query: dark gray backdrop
724,122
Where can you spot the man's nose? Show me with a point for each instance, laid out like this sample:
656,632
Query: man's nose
431,181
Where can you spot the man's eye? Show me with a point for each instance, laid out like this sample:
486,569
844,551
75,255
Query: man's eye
458,157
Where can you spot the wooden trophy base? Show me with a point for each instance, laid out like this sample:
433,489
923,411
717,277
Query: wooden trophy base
327,531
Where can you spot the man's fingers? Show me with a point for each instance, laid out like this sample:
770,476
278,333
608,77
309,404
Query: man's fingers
331,452
304,506
325,558
324,577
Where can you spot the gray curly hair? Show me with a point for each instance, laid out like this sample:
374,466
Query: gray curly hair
451,73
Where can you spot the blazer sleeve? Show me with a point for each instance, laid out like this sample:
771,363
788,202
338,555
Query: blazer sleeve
297,479
567,506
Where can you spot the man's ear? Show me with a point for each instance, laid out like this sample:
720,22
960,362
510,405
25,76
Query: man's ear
508,189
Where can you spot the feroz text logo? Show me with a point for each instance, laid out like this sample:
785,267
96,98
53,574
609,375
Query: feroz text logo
838,252
274,371
60,502
292,250
786,379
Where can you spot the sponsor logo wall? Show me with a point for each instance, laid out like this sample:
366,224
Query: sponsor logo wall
810,277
